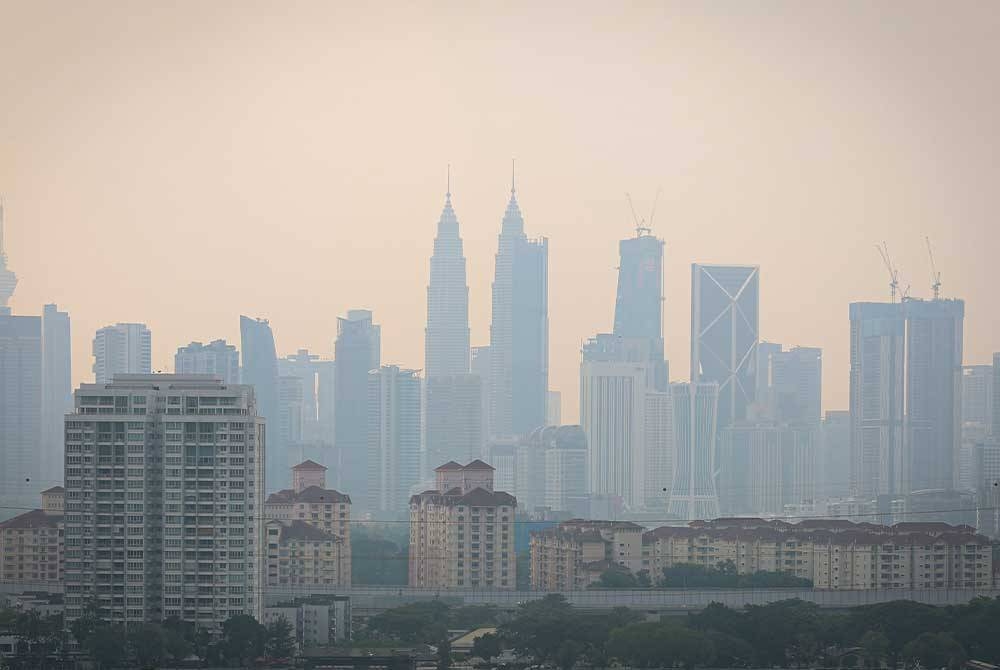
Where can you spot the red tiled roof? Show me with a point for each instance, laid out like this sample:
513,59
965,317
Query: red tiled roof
36,518
309,465
54,489
313,494
479,465
450,465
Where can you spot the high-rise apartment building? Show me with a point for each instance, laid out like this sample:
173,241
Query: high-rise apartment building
8,280
357,352
796,386
693,492
566,484
724,334
219,359
906,366
31,546
996,394
164,500
260,370
639,301
446,344
393,438
519,332
57,390
20,413
454,419
658,464
615,375
770,466
124,348
462,533
977,394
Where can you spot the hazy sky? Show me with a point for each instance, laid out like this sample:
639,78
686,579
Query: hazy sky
182,163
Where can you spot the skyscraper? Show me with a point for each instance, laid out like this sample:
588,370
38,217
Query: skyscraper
833,461
996,395
454,420
393,438
138,559
615,375
724,334
357,352
57,390
658,465
316,375
519,332
639,301
20,413
446,344
796,385
260,370
481,367
693,494
977,394
8,280
124,348
906,365
217,358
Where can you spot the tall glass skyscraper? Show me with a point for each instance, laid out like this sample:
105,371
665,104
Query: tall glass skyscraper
260,370
57,389
357,352
693,494
724,334
20,413
519,332
639,301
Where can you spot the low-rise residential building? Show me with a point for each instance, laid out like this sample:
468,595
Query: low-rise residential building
462,533
311,503
321,624
300,554
833,554
574,554
32,546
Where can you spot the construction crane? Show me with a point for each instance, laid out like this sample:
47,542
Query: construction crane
883,250
641,227
935,275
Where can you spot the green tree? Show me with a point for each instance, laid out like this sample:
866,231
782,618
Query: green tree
380,556
444,653
568,654
422,622
659,644
148,645
106,646
280,641
616,578
875,648
935,650
243,639
540,626
486,646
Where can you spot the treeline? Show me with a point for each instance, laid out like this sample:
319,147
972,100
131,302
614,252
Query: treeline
42,641
693,575
789,633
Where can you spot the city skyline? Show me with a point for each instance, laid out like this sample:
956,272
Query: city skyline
308,228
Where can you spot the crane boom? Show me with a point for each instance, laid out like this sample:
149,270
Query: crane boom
935,275
883,251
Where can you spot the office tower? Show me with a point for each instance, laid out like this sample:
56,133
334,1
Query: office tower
977,417
317,382
529,464
454,419
658,466
797,385
287,430
553,408
987,486
519,332
724,334
774,467
32,546
168,523
481,367
124,348
20,412
260,370
996,394
57,390
219,359
615,375
291,548
833,461
906,361
357,351
763,403
462,533
393,438
693,494
639,301
8,280
566,484
446,344
502,453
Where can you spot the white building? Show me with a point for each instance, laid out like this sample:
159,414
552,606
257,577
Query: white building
217,358
693,494
393,437
124,348
164,500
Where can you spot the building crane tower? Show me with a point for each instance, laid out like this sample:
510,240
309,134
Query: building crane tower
935,275
883,250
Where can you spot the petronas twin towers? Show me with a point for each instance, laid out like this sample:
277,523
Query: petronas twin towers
517,382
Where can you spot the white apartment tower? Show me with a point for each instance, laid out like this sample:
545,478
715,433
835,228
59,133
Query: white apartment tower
217,358
164,500
124,348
